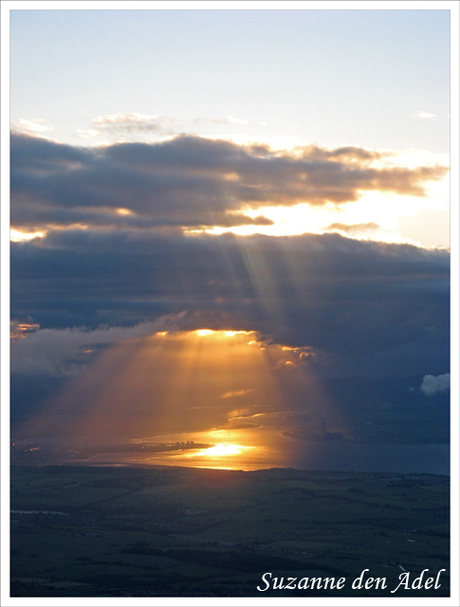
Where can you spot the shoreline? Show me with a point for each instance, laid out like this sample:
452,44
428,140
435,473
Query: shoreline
275,470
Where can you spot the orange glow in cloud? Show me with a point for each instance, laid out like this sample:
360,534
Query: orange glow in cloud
20,236
21,330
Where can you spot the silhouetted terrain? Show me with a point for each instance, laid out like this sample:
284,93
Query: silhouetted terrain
126,531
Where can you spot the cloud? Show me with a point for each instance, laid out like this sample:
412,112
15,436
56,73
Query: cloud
323,307
19,330
425,115
122,260
432,385
63,352
127,124
362,306
353,228
298,355
187,181
36,126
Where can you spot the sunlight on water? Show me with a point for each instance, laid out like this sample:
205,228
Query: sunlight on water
220,450
239,449
229,456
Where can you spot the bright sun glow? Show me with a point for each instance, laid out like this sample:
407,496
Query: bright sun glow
221,450
203,332
378,216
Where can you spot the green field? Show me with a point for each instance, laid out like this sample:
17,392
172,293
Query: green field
126,531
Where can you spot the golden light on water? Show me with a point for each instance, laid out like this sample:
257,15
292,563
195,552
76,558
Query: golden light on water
220,451
224,455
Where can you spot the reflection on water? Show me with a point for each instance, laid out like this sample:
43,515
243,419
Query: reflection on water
261,448
242,449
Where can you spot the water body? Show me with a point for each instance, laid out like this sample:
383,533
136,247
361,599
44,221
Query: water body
433,459
246,449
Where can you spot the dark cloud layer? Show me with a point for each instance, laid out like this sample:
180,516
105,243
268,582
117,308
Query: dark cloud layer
335,308
187,181
365,307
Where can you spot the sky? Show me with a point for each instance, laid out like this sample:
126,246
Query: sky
373,79
251,203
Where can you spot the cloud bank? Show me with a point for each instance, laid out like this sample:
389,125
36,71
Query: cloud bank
115,261
366,306
187,181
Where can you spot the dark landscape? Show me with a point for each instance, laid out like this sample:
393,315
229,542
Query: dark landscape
168,531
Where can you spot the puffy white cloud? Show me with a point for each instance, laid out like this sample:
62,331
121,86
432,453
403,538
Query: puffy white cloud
431,384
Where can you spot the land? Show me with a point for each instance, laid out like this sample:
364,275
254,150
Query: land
49,451
132,531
